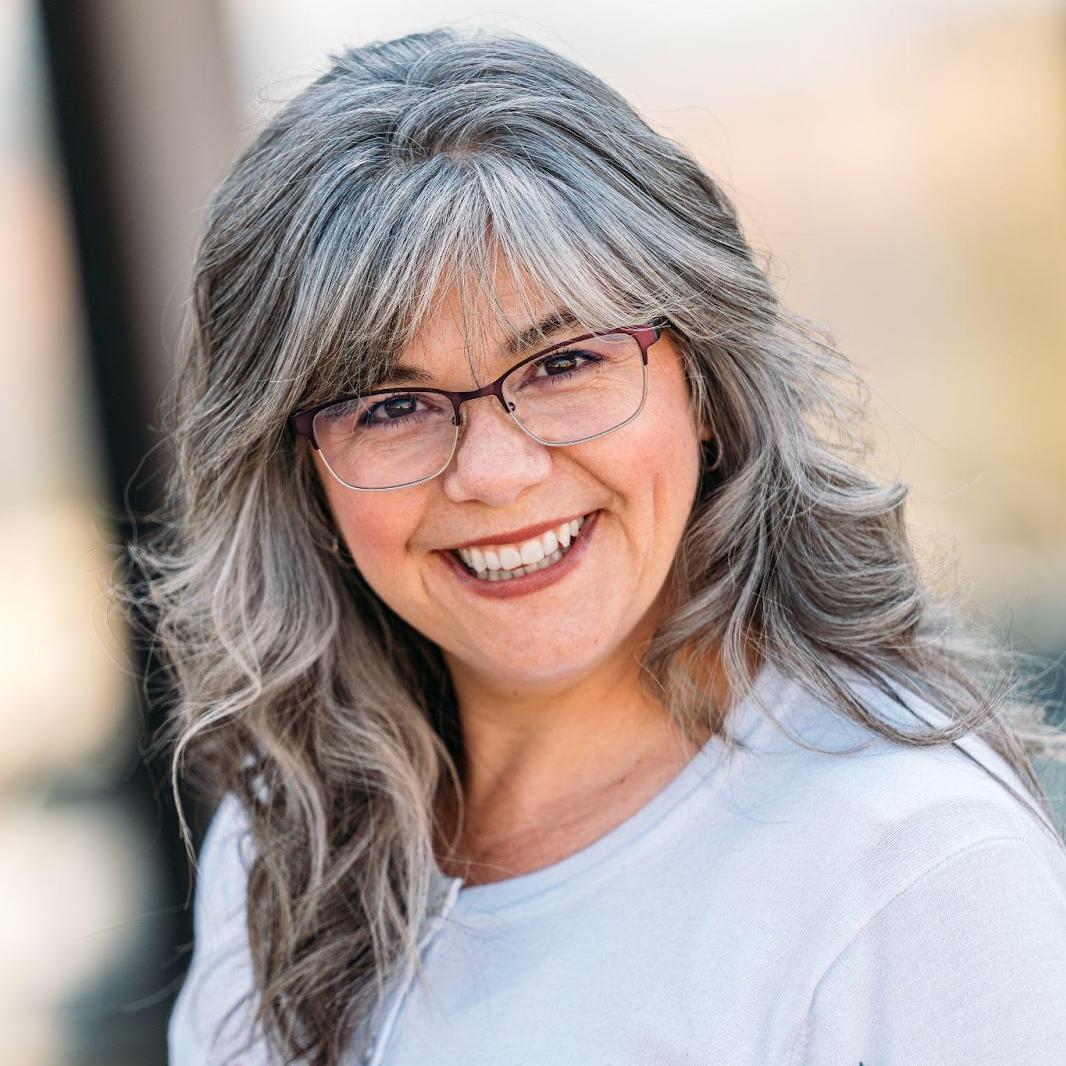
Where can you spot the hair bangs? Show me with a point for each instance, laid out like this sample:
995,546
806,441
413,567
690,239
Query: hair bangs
554,256
459,225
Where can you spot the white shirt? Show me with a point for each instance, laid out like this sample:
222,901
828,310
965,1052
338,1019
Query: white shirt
890,907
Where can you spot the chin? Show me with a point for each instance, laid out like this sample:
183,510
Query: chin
543,664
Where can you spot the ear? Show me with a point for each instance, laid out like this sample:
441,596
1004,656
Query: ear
707,433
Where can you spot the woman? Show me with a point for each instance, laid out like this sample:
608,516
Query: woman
571,694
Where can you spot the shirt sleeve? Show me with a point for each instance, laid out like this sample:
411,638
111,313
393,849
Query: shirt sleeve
965,967
220,975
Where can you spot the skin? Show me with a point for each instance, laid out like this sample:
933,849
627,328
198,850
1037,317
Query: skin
561,741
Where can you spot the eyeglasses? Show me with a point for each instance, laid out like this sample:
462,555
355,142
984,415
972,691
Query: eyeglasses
568,393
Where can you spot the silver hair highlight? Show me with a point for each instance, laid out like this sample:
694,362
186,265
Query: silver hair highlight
409,167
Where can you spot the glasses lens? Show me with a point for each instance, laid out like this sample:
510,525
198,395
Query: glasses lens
580,390
386,439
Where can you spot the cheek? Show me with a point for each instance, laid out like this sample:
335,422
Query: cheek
375,526
658,473
671,464
672,442
374,537
657,456
377,536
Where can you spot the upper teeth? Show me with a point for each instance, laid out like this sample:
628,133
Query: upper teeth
529,552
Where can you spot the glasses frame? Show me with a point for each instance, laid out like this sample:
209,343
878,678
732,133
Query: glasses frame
645,334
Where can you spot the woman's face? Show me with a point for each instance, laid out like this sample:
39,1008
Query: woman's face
636,486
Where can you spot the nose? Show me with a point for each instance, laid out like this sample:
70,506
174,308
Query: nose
495,459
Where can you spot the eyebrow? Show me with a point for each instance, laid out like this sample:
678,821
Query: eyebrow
512,345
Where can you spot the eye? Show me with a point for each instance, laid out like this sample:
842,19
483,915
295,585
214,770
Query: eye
399,406
384,411
562,364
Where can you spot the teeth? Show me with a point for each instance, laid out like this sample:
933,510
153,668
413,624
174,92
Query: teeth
532,551
502,562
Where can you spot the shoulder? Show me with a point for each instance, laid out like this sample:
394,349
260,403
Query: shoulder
860,817
222,867
837,767
963,964
229,828
920,889
212,1008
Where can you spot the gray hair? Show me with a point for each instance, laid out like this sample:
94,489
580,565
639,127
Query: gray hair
410,166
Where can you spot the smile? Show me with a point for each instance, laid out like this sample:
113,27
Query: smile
503,562
500,571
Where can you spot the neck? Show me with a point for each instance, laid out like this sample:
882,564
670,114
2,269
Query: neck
551,764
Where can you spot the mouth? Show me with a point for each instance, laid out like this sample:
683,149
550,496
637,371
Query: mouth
507,569
504,562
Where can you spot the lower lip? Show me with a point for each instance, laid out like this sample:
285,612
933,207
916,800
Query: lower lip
519,586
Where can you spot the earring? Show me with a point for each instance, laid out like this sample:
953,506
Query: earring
335,549
713,453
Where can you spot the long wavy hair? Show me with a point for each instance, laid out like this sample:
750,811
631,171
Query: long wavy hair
409,166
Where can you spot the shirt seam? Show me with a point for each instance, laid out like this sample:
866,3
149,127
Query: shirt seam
864,926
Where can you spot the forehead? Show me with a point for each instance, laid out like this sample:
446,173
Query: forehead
482,332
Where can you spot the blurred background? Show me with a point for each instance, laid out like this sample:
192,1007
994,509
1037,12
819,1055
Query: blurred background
899,164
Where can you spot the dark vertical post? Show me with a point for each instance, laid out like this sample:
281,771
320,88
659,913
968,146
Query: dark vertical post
144,127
